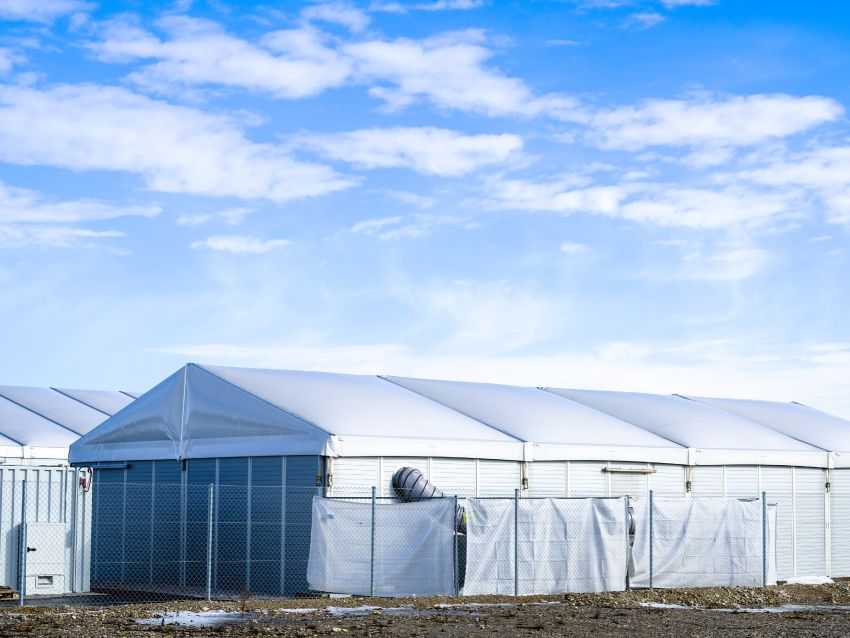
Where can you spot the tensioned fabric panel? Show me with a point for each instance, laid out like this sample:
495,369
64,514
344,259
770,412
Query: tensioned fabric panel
19,426
793,419
361,405
55,406
101,400
542,418
702,427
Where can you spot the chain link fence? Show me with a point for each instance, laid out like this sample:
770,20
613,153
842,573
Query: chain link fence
125,542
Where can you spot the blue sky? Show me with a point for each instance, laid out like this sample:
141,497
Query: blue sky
624,194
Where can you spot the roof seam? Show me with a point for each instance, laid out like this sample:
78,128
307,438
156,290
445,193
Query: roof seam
453,409
665,437
37,413
259,398
88,405
761,423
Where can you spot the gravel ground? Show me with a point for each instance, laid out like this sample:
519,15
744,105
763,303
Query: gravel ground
575,615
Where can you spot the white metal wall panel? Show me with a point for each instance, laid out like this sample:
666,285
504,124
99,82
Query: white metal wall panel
707,480
742,481
547,478
777,482
587,478
50,499
499,478
809,518
626,483
668,480
392,464
840,523
355,476
454,476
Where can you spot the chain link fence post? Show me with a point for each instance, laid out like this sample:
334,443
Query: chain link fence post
455,569
210,501
651,537
764,539
516,542
22,567
628,544
372,559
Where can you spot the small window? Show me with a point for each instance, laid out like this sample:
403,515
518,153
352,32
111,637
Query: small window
44,581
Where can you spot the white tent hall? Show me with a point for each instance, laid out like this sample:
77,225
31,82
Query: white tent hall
344,434
37,426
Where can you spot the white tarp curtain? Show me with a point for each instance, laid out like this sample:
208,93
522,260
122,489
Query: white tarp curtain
565,545
414,547
702,542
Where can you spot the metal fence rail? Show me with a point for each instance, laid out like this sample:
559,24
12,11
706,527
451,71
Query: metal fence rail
127,542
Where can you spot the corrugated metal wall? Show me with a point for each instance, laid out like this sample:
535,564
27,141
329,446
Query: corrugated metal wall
151,520
52,497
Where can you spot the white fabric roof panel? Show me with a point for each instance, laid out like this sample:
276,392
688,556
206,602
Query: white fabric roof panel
107,402
55,407
795,420
26,434
717,437
226,412
367,414
41,423
215,411
556,426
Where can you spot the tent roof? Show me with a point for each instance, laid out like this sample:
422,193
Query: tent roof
712,433
43,422
215,411
793,419
554,425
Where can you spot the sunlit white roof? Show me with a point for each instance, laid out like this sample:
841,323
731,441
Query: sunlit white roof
793,419
214,411
205,411
42,422
554,425
101,400
718,437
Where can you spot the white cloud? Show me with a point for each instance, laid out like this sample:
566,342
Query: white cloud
230,216
706,208
644,20
40,10
732,121
672,4
435,5
449,71
173,148
25,235
824,171
409,226
340,13
730,262
8,59
292,63
28,206
241,244
661,204
427,150
484,313
573,248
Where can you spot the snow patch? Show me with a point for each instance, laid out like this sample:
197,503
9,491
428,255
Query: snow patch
810,580
193,618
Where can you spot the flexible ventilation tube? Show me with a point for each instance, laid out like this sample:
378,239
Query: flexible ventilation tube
411,485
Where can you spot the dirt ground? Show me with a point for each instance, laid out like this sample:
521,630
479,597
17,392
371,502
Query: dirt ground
714,613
